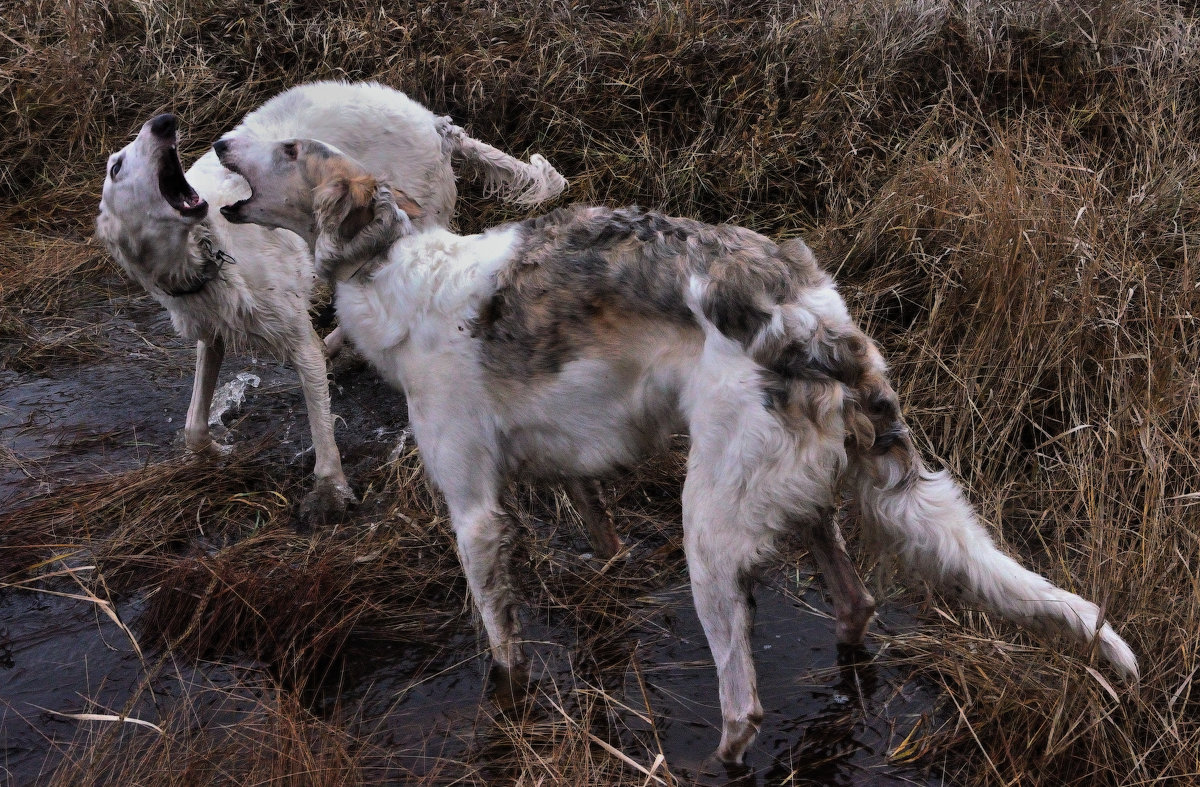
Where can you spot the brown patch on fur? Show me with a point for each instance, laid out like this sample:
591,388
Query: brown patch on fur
408,205
357,219
872,410
344,196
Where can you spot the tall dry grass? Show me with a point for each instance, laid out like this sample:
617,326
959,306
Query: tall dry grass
1008,192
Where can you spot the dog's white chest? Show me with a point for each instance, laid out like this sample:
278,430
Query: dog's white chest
418,307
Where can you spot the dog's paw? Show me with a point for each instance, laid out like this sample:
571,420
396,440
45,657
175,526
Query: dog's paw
215,449
204,448
326,504
512,688
729,773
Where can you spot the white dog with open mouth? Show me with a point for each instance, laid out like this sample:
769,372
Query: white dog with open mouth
571,343
228,285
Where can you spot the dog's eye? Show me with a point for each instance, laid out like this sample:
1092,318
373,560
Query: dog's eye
116,167
289,150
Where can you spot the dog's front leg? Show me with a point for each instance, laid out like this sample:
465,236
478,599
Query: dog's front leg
485,541
331,494
455,432
196,434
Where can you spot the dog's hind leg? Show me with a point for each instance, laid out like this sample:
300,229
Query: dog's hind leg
331,494
721,555
853,605
586,497
751,472
209,356
334,341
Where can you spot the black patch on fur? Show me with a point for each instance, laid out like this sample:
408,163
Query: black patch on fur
734,311
775,393
885,441
882,405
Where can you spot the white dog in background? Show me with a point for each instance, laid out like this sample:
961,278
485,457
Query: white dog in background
571,343
230,285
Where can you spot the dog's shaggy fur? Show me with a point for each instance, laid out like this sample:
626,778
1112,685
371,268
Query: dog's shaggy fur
576,342
232,285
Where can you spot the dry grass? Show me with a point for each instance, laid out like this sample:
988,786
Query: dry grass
1008,191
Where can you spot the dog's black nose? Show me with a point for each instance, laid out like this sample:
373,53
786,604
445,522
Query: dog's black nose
163,125
221,145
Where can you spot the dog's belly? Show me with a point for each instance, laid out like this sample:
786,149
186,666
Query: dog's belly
596,415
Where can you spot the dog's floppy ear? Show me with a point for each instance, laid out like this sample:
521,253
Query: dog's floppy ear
346,202
407,204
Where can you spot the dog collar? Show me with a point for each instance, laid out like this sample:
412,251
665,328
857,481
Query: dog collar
213,259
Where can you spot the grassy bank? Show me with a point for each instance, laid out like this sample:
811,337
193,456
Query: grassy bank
1008,192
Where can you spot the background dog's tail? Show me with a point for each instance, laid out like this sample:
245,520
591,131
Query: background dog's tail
923,520
512,180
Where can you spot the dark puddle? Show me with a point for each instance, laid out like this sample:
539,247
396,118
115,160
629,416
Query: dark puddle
825,723
828,719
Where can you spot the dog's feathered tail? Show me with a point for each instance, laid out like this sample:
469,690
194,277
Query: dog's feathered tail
922,519
918,517
512,180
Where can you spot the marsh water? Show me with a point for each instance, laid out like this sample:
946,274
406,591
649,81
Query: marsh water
826,722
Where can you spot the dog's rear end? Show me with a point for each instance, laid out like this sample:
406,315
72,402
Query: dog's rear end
916,516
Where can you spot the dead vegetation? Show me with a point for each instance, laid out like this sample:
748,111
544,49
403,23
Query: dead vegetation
1007,191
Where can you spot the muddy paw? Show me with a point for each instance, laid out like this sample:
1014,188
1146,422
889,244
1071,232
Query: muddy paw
204,448
326,504
216,450
511,689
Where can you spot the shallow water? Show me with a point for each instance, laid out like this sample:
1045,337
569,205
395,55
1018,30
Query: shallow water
825,723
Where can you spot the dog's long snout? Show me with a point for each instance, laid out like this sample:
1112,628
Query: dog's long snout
163,125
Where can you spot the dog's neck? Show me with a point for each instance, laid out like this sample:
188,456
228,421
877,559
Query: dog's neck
204,262
342,260
177,261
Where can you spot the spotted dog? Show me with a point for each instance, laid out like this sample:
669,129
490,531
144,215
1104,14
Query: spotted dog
573,343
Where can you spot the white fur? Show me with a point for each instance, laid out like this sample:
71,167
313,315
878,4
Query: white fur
749,478
933,531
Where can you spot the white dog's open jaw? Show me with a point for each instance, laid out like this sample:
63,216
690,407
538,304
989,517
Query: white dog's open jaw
233,211
172,184
174,187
